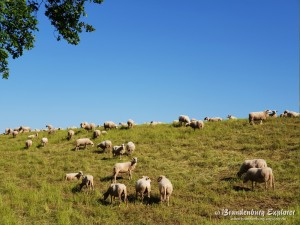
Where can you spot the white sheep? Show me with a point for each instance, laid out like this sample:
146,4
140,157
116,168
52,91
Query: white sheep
231,117
130,147
116,190
73,176
124,168
71,133
44,141
8,131
165,188
118,150
109,125
130,123
183,119
258,116
105,145
88,126
195,124
123,125
15,133
154,123
273,114
142,187
291,113
50,127
28,143
260,175
96,133
83,142
104,132
33,136
23,129
251,163
213,119
88,181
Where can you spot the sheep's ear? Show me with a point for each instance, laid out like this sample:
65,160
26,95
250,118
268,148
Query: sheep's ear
159,179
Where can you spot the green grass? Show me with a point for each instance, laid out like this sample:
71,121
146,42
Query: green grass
201,165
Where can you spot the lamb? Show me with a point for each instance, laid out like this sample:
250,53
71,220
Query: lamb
28,144
165,188
83,141
96,133
251,163
258,116
88,181
213,119
183,119
118,150
130,147
142,187
105,145
130,123
73,176
260,175
15,133
124,168
116,190
231,117
195,124
71,133
33,136
23,129
109,125
44,141
291,113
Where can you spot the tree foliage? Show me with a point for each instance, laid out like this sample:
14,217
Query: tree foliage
18,24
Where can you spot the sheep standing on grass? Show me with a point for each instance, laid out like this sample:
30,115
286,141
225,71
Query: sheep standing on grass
124,168
105,145
273,114
130,123
23,129
28,144
96,133
33,136
50,127
87,126
123,125
195,124
213,119
88,181
8,131
251,163
44,141
118,150
15,133
71,133
260,175
258,116
231,117
142,187
291,113
183,119
130,147
116,190
83,142
165,188
73,176
109,125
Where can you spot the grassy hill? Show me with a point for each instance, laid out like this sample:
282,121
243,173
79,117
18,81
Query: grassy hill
201,164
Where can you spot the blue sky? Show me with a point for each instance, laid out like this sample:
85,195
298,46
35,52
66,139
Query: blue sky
156,60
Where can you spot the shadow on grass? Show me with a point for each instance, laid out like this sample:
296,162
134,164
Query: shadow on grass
107,178
76,189
229,179
239,188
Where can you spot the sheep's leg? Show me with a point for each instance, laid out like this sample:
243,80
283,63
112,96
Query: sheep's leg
129,174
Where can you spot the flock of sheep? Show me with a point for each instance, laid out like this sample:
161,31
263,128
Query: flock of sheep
255,170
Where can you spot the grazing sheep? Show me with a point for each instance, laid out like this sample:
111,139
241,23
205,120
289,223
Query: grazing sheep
142,187
118,150
33,136
291,113
104,132
124,168
116,190
88,181
195,124
15,133
8,131
109,125
213,119
153,123
105,145
83,141
73,176
183,119
23,129
87,126
251,163
28,144
50,127
231,117
165,188
273,114
96,133
123,125
260,175
44,141
52,131
130,123
130,147
258,116
71,133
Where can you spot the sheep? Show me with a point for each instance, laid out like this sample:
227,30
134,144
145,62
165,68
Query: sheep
73,176
116,190
15,133
83,141
291,113
109,125
50,127
96,133
251,163
88,181
44,141
87,126
105,145
23,129
283,115
28,144
124,168
153,123
213,119
130,147
123,125
33,136
118,150
231,117
104,132
52,131
130,123
260,116
273,114
71,133
8,131
143,186
165,188
183,119
260,175
195,124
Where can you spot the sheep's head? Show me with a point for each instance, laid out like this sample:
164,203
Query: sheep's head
134,160
206,118
160,178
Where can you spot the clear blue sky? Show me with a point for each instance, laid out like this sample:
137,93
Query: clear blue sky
155,60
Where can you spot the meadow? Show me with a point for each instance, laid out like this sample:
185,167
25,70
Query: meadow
201,164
